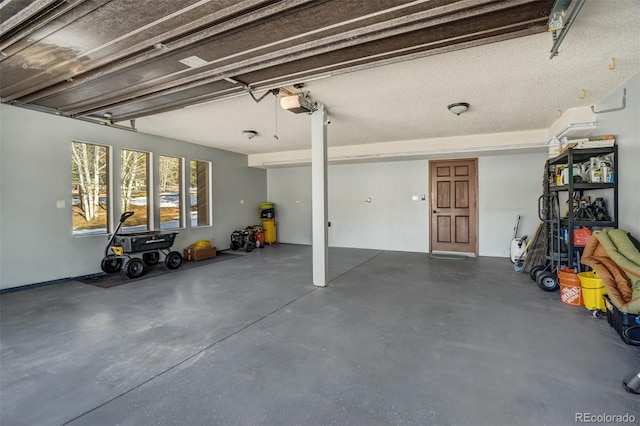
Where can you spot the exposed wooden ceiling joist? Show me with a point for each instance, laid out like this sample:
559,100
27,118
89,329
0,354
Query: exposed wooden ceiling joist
130,110
27,33
317,47
17,12
132,68
162,43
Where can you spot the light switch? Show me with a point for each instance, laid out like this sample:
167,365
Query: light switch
241,201
414,198
60,204
423,197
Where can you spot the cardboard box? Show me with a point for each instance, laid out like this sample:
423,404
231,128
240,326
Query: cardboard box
587,144
191,253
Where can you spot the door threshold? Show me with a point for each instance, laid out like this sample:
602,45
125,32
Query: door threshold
459,253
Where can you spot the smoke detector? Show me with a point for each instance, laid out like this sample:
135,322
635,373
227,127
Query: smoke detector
249,134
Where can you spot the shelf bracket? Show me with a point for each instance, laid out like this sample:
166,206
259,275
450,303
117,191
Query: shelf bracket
624,104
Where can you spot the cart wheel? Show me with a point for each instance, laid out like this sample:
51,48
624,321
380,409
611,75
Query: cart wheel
134,268
151,258
250,246
234,246
597,313
111,264
548,281
173,260
535,271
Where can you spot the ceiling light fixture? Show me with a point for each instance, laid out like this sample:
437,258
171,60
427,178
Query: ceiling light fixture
249,134
193,62
458,108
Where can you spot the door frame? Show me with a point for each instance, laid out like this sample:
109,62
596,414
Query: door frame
475,212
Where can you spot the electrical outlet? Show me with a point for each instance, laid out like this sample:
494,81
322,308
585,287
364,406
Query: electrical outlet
423,197
60,204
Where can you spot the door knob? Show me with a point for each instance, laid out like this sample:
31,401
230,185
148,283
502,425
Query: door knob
435,211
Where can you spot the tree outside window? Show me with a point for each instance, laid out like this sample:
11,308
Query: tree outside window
90,178
135,190
90,190
170,171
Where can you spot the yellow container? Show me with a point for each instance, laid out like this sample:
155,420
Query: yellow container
592,290
269,226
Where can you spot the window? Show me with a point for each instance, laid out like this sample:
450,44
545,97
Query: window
135,189
89,188
170,169
199,194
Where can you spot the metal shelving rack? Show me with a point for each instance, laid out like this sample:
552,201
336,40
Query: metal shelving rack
574,156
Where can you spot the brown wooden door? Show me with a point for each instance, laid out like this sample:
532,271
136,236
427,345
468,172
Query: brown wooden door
454,214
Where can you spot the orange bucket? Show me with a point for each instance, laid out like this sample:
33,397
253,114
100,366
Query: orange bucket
570,288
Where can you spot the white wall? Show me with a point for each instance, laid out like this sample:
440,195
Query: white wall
391,221
625,125
508,185
36,241
290,190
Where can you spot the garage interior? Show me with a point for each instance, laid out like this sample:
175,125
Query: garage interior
399,335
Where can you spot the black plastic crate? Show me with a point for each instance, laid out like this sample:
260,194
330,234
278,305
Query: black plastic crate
145,241
627,325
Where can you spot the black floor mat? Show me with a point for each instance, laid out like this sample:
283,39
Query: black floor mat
119,278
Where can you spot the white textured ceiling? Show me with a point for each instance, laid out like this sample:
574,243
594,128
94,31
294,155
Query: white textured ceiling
511,86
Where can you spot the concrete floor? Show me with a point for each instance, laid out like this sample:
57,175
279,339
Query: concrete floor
397,338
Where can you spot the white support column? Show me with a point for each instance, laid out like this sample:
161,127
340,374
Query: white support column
319,211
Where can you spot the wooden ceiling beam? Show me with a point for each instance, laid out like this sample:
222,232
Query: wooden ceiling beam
429,18
52,87
33,9
406,54
34,25
387,58
142,52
